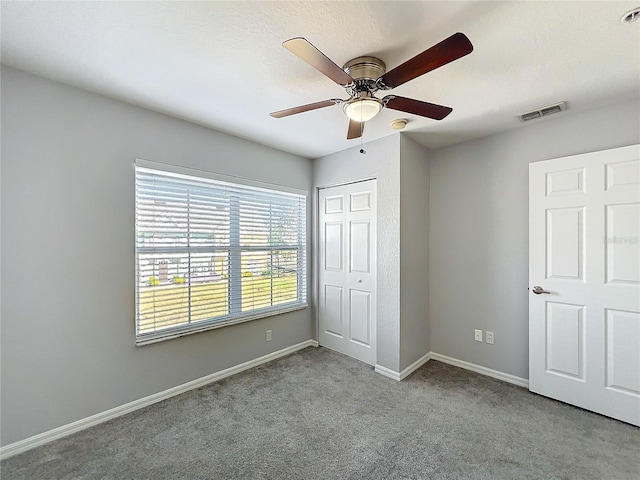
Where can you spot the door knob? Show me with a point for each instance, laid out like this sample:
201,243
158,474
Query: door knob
538,290
360,281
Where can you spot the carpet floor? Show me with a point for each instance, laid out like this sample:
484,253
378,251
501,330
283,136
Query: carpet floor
319,415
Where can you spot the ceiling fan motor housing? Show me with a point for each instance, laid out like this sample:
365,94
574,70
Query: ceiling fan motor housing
365,71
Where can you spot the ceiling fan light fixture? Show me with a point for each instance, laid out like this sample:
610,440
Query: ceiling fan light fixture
631,16
362,109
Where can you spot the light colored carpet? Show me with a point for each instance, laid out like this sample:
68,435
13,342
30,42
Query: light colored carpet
319,415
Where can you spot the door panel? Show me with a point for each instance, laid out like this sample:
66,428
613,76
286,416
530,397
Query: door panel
584,251
333,306
565,181
623,173
360,201
333,248
565,234
623,254
623,350
360,313
334,204
346,277
565,339
360,246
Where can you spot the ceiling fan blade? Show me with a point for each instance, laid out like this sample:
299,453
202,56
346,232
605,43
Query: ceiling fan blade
318,60
448,50
355,129
304,108
417,107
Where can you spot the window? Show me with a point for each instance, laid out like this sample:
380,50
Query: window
211,253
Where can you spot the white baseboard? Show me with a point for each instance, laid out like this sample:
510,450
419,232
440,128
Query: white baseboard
415,365
51,435
406,372
505,377
387,372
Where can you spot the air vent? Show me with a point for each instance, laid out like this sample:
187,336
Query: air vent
543,112
530,116
550,110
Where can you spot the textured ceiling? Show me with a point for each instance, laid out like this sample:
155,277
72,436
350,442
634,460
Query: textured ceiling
221,64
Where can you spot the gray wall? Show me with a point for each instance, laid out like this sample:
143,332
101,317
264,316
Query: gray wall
478,244
67,272
414,248
67,199
382,162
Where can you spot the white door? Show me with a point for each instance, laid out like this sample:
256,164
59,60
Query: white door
584,253
347,269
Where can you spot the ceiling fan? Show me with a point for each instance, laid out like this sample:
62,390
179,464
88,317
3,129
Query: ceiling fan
362,77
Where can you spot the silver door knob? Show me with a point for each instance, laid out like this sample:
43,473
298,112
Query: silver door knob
538,290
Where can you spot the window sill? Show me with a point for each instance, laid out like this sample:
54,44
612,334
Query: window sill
190,330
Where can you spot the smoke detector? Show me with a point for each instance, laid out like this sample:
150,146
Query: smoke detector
631,16
543,112
399,123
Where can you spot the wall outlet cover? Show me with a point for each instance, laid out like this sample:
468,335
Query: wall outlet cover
478,335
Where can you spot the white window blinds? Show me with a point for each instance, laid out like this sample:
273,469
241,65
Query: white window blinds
211,253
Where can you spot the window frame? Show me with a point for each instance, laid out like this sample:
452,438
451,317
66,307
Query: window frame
234,251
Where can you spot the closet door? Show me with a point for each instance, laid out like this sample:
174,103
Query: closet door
347,269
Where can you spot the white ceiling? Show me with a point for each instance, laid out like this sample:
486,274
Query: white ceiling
221,64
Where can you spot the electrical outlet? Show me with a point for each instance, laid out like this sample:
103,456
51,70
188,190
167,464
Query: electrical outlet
489,337
267,336
478,336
